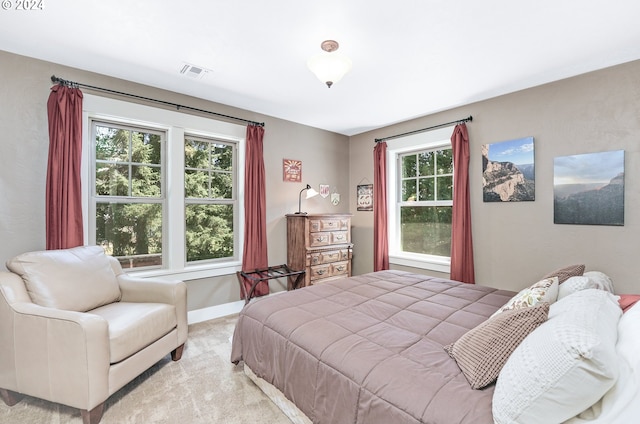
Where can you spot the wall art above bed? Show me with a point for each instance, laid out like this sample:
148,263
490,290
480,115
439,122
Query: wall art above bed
508,171
589,189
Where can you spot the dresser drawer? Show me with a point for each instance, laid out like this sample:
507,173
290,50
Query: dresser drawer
319,239
320,271
345,255
326,224
339,237
339,268
328,256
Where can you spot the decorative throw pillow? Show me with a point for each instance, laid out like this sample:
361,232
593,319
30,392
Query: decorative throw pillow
482,351
567,272
626,301
543,291
563,367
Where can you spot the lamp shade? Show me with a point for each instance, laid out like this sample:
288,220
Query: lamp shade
311,193
329,66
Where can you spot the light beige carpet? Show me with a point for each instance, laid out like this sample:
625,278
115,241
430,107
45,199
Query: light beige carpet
203,387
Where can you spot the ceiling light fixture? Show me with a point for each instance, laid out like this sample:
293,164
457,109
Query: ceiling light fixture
329,66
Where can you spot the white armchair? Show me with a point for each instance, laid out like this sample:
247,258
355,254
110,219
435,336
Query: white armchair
74,328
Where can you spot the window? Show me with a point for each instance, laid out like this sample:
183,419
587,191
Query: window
420,196
425,201
128,193
163,189
209,198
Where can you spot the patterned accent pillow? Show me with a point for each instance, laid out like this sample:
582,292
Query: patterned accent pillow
543,291
482,351
567,272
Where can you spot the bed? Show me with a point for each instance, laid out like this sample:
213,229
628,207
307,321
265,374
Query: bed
396,347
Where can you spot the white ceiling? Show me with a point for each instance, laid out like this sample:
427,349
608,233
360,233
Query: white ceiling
410,57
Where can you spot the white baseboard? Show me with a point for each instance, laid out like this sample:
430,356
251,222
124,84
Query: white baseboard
219,311
214,312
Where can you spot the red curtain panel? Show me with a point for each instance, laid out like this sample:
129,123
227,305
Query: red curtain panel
255,205
63,192
462,268
380,220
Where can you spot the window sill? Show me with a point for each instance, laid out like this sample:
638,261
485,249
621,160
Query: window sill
193,272
432,263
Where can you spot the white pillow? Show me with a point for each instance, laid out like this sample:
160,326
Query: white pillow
565,365
575,284
545,290
602,280
590,280
620,404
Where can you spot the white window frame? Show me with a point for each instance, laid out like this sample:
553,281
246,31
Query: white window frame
434,139
176,125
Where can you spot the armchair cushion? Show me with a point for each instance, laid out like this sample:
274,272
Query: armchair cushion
76,279
134,326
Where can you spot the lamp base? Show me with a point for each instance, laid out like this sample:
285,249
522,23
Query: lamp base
301,213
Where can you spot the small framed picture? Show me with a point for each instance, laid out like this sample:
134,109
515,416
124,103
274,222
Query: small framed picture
365,197
324,190
292,170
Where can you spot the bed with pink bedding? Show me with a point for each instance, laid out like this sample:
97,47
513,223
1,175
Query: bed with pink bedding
371,349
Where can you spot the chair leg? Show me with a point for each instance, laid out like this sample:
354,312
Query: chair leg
94,416
9,397
176,354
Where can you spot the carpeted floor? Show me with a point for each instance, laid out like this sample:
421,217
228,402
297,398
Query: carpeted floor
203,387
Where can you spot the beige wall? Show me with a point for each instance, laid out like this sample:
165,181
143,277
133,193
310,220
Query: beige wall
24,89
515,243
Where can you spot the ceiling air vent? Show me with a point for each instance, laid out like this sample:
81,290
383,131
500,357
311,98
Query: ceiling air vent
192,71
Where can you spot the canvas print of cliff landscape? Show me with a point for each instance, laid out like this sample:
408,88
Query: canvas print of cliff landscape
589,189
508,171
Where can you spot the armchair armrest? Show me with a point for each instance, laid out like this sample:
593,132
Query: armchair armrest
135,289
54,354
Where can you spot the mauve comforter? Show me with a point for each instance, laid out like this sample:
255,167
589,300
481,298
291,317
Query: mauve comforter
369,349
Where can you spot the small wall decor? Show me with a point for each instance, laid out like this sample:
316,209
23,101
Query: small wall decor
324,190
508,171
292,170
335,198
589,189
365,197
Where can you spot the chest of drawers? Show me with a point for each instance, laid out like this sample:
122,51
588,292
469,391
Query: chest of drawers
321,245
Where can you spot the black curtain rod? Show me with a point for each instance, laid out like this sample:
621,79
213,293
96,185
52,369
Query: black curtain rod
459,121
55,79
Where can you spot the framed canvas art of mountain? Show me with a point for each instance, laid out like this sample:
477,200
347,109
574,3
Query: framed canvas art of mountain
589,189
508,171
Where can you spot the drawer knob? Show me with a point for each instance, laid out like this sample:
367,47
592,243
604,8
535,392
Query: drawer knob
340,268
320,271
319,239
